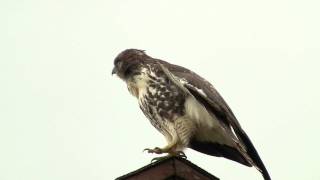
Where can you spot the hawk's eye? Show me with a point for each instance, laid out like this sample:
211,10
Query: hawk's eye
128,72
119,63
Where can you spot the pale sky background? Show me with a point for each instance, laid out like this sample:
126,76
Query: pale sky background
64,117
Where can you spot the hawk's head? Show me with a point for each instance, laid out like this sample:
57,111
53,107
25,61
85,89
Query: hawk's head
126,63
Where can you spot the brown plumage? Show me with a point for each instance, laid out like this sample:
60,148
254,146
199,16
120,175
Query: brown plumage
186,109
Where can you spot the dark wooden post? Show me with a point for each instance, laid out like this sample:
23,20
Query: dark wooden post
173,168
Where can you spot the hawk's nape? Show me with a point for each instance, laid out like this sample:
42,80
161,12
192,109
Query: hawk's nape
186,109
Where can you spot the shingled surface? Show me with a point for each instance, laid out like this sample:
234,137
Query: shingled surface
173,168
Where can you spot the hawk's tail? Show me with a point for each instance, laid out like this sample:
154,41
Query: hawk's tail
253,154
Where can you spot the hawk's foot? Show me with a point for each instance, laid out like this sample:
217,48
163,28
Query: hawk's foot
176,154
179,154
155,150
160,158
170,149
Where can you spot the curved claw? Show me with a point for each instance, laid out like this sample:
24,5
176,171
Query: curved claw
176,154
156,159
160,158
181,154
146,149
154,150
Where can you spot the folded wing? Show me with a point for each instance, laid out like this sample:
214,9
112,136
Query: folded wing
207,95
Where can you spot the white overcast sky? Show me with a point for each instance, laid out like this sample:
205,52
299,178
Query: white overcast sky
64,117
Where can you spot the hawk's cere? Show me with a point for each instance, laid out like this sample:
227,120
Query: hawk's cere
186,109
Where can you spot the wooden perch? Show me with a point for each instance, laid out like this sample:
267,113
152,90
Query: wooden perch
172,168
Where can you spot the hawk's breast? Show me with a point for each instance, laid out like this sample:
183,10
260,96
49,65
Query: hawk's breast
159,99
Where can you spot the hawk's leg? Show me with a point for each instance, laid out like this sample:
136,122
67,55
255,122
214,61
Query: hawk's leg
170,148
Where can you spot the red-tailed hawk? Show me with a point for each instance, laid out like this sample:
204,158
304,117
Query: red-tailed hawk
186,109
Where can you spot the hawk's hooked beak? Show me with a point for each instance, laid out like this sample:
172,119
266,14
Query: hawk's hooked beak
114,71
